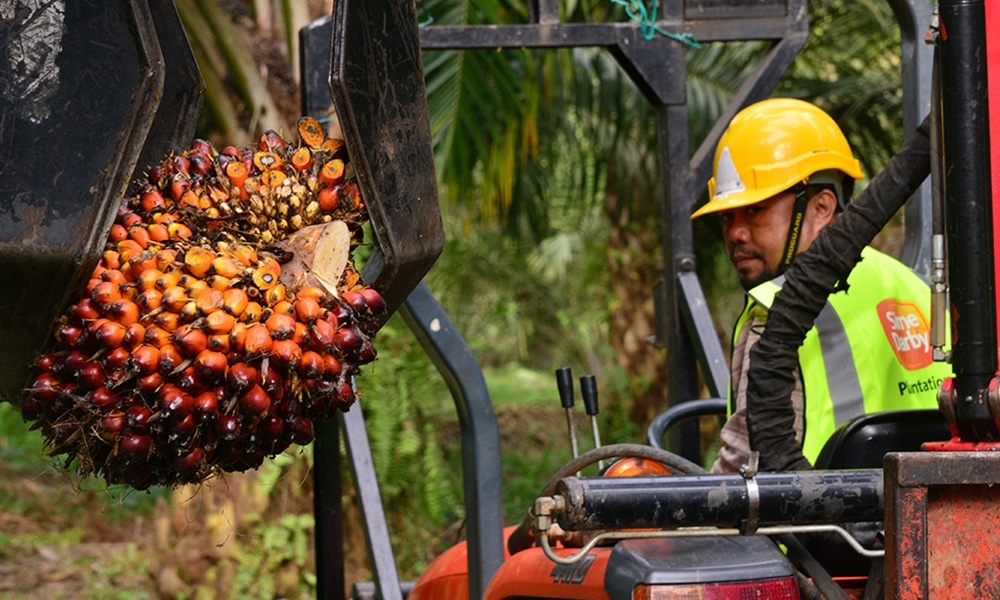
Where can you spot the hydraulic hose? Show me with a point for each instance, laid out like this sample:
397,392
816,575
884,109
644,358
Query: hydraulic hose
815,273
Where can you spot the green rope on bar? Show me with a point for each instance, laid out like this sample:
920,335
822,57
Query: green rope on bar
637,11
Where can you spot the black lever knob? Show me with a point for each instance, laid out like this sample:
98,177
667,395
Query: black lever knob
564,381
588,389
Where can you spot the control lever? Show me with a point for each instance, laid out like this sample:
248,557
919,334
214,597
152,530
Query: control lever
564,381
588,389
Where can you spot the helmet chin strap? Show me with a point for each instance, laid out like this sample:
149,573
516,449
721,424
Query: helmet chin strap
794,228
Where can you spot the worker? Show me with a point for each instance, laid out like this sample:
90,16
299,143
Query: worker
783,171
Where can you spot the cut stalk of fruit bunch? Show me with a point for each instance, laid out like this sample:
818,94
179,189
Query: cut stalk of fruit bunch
223,320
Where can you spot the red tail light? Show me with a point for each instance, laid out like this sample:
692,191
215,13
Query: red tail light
771,589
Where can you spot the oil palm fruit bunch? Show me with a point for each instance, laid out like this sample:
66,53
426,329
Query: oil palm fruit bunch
223,319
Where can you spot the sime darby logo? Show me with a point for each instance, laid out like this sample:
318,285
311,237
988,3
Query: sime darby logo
907,331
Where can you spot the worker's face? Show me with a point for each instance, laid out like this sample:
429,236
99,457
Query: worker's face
755,235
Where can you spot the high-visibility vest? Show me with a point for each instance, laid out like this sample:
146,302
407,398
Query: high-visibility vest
868,350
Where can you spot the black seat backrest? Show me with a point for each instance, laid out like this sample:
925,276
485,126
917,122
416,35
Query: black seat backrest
862,442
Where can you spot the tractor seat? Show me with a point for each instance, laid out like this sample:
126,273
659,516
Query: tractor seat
862,442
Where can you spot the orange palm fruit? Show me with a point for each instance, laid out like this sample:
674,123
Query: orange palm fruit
311,132
266,275
234,301
198,261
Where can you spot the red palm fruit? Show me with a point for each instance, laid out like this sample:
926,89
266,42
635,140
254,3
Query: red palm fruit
151,200
149,300
129,219
189,381
125,312
149,384
135,444
112,425
331,366
175,401
198,261
347,340
158,232
46,362
103,399
200,164
272,428
219,342
367,353
171,359
104,293
252,313
241,376
190,340
45,387
322,335
258,340
339,315
345,396
238,338
206,404
234,301
285,354
271,141
117,233
301,429
332,172
108,333
137,417
91,375
266,275
209,301
135,334
190,462
69,335
177,187
115,359
84,310
255,402
74,361
328,198
157,336
281,326
376,303
168,321
356,300
311,364
307,309
210,365
145,359
174,298
274,385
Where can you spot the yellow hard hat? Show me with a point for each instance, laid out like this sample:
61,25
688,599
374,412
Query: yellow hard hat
769,147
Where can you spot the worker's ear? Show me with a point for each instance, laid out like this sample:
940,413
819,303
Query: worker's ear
824,207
